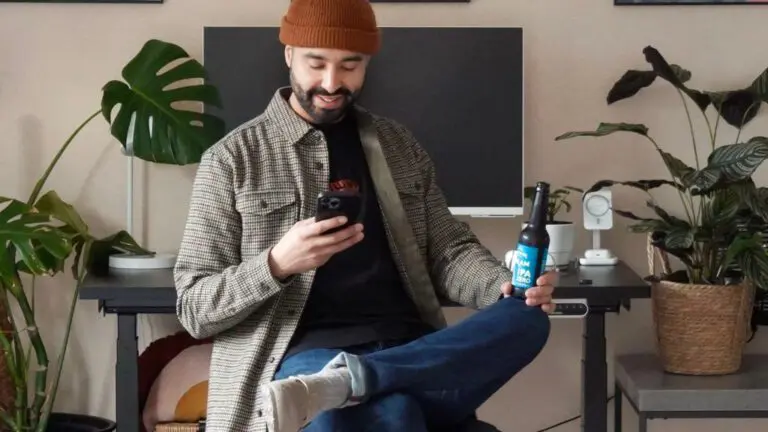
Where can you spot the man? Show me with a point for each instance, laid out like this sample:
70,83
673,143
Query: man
341,330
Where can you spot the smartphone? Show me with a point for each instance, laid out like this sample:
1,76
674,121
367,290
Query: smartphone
331,204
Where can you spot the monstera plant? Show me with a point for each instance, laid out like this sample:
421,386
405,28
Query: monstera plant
715,231
43,235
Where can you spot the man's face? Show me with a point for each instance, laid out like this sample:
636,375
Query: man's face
325,82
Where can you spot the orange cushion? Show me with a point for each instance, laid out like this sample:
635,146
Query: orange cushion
180,392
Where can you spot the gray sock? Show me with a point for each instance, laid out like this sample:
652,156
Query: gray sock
330,387
354,368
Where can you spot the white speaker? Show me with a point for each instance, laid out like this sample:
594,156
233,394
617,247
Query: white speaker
598,216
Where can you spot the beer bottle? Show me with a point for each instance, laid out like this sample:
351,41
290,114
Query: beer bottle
530,256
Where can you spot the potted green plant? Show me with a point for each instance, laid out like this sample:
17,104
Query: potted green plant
702,306
42,234
561,232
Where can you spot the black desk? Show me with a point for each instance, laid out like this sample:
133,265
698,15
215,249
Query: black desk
131,292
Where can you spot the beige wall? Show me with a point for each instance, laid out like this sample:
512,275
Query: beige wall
55,58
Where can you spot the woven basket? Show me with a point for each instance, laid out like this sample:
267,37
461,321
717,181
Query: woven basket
700,329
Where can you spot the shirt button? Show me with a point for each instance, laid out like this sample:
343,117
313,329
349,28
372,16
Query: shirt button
417,186
271,359
318,165
259,413
263,204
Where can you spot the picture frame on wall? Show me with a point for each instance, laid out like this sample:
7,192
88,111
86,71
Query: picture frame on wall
687,2
82,1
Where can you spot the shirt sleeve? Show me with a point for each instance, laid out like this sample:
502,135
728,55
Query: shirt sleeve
215,289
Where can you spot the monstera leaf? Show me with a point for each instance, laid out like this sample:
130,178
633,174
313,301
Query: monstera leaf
152,120
99,249
40,245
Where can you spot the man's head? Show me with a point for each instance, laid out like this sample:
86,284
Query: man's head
328,46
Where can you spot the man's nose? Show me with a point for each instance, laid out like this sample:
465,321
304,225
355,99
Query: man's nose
331,82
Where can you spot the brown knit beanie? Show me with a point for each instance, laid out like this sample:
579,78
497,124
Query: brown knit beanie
348,25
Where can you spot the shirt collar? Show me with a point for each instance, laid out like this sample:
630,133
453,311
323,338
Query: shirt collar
280,112
294,127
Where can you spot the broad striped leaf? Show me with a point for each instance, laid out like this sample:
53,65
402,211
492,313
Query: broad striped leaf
635,80
667,72
679,238
643,185
760,85
722,209
738,161
677,168
672,221
705,179
753,262
736,107
648,226
604,129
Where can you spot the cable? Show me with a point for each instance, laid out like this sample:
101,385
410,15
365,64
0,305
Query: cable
567,421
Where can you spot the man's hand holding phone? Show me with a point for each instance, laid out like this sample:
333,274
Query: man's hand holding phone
307,245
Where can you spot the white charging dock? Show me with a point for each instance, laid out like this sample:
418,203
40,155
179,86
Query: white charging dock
598,256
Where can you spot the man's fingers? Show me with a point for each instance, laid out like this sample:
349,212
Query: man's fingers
337,247
547,278
507,288
318,228
548,307
324,240
539,291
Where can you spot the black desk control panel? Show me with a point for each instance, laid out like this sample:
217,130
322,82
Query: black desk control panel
570,308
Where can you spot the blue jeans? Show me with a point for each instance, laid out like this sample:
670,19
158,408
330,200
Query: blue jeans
436,382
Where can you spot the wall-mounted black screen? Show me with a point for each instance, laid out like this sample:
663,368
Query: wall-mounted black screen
459,90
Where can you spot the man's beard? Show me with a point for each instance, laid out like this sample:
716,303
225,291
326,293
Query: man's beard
322,115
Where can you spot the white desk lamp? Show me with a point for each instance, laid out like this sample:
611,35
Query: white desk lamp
128,260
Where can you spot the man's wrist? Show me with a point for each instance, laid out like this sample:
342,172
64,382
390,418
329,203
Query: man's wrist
274,267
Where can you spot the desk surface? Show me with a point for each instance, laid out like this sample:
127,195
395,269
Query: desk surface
155,288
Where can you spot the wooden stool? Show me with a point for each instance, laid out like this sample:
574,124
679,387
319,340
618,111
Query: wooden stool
654,393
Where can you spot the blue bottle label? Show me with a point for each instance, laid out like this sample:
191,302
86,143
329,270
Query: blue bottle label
524,266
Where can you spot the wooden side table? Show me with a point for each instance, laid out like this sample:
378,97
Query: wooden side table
656,394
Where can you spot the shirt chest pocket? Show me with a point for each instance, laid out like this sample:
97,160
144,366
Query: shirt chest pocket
266,215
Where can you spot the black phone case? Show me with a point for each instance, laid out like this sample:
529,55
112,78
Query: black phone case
333,204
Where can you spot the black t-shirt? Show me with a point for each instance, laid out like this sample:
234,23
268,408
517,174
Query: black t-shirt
358,295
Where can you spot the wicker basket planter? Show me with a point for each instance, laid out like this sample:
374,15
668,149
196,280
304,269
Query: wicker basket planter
700,329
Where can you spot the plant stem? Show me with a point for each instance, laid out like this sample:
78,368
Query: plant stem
21,360
41,374
672,176
41,182
60,361
690,126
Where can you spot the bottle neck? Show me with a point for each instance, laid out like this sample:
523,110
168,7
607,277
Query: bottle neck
539,209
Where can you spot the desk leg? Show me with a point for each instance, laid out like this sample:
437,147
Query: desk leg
594,371
127,374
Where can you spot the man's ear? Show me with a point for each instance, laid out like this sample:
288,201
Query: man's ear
288,55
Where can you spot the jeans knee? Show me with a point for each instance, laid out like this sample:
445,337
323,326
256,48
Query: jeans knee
539,327
533,325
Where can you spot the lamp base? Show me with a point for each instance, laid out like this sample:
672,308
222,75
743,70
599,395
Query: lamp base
142,262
